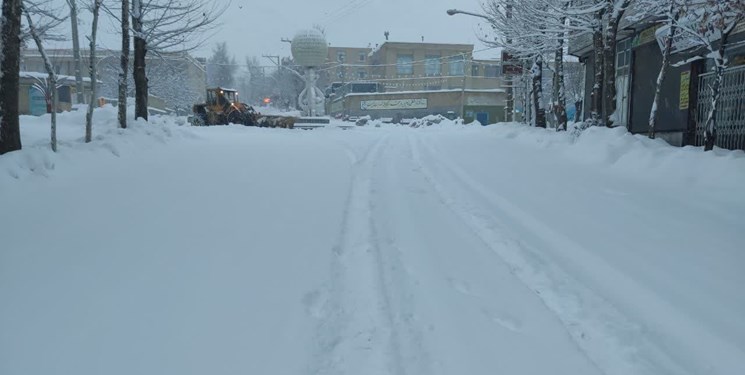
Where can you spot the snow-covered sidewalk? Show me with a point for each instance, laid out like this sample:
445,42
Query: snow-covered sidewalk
443,250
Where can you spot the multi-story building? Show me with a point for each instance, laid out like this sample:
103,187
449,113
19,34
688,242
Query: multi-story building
418,79
176,80
345,64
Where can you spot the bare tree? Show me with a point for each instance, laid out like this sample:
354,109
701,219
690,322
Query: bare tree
30,7
10,135
614,11
223,65
667,13
122,90
95,9
530,30
76,51
167,26
140,77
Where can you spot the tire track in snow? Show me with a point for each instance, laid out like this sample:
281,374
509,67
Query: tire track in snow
611,341
354,334
408,356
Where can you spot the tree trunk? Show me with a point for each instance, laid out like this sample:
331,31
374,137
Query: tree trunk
614,16
80,96
122,104
537,79
710,134
560,109
10,135
94,78
52,78
597,87
609,72
663,70
528,106
139,74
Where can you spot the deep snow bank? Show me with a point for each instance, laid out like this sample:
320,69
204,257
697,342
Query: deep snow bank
632,155
37,158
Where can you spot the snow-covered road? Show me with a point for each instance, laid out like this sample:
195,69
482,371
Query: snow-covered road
369,251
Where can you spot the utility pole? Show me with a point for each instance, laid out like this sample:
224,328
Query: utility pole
273,58
463,90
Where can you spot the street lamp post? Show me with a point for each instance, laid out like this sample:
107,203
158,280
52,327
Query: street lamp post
452,12
509,105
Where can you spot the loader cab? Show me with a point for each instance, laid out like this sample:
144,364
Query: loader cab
221,97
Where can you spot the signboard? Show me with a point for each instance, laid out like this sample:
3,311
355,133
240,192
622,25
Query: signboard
394,104
483,100
646,36
37,103
685,86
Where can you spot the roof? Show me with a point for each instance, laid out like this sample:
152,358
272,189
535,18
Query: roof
424,92
427,44
60,77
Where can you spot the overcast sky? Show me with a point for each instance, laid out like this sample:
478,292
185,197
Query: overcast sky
254,28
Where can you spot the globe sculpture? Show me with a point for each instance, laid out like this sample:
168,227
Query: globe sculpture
309,50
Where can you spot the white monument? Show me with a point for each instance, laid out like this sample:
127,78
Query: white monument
309,49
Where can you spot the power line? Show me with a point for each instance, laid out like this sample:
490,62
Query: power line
416,62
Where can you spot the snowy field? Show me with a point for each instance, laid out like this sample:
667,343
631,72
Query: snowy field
173,250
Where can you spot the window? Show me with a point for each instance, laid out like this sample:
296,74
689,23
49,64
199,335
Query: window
341,56
64,95
474,70
457,65
361,74
362,57
491,71
405,65
432,65
623,53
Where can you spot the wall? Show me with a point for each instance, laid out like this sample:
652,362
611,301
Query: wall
437,102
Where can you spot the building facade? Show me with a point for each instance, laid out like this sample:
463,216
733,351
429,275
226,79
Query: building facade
685,96
176,80
418,79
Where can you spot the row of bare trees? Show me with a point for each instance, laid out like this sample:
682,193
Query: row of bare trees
154,26
535,31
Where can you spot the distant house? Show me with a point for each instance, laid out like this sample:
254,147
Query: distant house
685,96
176,80
34,98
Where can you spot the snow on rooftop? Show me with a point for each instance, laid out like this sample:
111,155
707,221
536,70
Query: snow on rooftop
60,77
425,92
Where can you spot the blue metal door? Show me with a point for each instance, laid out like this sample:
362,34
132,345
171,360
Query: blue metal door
483,118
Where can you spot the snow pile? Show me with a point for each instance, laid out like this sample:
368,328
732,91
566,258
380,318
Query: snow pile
437,120
635,155
274,111
37,158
